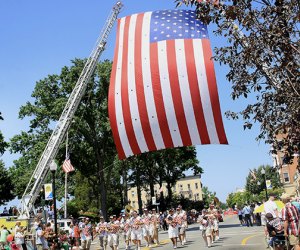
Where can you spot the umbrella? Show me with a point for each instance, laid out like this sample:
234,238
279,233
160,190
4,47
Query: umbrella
261,208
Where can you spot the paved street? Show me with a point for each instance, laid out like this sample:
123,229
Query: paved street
232,237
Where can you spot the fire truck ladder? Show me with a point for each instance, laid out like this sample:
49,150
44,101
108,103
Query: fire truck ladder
36,181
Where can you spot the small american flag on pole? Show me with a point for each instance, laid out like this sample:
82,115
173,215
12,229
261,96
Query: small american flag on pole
67,166
253,175
163,90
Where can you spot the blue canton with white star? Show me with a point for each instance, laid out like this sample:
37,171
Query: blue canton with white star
176,24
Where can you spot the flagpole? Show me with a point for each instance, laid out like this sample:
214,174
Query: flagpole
66,179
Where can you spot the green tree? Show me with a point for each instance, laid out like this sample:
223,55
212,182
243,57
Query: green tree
165,166
208,196
90,140
238,199
6,185
263,62
257,185
173,163
3,144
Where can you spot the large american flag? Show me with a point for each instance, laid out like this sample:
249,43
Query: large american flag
67,166
163,91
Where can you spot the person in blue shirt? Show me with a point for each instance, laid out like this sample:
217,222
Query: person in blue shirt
296,203
247,215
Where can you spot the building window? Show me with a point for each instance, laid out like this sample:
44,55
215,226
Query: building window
190,196
196,185
133,204
181,187
286,177
132,193
189,186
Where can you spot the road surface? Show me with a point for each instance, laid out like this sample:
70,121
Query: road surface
232,236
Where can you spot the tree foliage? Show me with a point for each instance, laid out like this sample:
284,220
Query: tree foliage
263,55
208,196
90,141
256,186
6,185
3,144
96,183
164,166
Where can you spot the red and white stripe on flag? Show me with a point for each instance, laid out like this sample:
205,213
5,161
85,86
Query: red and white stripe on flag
67,166
163,90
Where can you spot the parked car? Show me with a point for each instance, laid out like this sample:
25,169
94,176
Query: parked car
64,224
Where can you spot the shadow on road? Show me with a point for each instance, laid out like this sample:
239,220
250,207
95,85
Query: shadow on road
189,242
229,225
193,228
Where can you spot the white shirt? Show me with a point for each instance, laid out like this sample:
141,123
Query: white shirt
19,238
270,207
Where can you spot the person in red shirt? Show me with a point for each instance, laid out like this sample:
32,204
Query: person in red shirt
77,235
290,216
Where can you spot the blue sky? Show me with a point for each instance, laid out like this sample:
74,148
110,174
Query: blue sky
40,37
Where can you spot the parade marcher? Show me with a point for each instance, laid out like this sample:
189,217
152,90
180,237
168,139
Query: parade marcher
136,230
146,217
290,217
126,227
240,215
102,232
206,227
182,223
173,227
213,213
155,223
113,229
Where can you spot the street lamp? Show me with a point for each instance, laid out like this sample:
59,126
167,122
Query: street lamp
263,172
53,168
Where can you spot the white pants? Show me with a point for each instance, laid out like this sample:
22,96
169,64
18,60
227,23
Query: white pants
136,234
173,232
113,239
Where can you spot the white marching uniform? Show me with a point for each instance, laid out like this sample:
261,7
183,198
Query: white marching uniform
126,228
101,229
136,229
147,229
173,226
113,230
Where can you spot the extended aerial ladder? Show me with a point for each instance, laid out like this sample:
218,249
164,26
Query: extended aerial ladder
36,181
